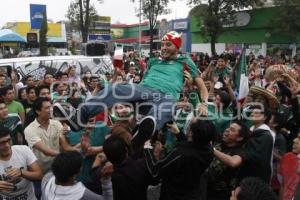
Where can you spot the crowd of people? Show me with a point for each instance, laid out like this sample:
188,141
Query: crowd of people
168,127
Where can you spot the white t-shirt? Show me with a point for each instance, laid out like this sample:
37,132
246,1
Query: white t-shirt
22,156
20,85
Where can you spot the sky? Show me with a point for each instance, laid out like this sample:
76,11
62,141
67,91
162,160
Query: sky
122,11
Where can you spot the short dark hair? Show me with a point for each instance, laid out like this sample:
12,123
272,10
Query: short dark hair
279,119
4,131
94,77
225,98
64,74
2,101
30,88
115,149
20,92
39,88
47,74
203,131
60,74
224,56
255,189
27,77
37,105
244,131
6,89
66,165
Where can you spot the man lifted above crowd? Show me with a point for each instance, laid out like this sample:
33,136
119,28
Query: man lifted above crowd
161,87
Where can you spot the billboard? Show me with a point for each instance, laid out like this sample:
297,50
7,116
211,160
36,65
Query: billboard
117,33
36,15
99,37
104,19
182,25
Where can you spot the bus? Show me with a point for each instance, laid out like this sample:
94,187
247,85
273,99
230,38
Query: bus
39,66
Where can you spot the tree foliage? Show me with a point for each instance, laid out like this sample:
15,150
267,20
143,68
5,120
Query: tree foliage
151,9
212,15
43,36
289,18
81,14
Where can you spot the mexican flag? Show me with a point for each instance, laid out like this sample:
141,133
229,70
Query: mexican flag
242,78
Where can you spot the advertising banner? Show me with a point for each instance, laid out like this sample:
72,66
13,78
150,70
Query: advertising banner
99,37
117,33
36,15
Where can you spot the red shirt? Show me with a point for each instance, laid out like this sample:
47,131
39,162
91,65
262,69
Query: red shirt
288,171
104,118
143,65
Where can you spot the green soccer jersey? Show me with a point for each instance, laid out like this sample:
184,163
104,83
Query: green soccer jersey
97,138
166,76
222,73
14,124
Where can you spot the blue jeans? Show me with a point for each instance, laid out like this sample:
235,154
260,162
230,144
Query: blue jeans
37,189
162,105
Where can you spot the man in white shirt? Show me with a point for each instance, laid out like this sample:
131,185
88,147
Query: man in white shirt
18,167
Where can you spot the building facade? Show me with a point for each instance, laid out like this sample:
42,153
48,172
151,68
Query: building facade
254,30
100,29
130,36
56,35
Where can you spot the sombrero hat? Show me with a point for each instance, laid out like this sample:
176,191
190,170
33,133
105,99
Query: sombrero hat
275,71
273,101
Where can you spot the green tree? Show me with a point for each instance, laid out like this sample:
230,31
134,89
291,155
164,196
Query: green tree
151,9
213,15
82,13
289,19
43,36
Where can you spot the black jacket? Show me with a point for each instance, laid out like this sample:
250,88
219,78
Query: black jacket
181,170
256,156
131,180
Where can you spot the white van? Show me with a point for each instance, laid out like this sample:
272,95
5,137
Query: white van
38,66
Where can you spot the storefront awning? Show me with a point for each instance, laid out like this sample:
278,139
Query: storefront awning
7,35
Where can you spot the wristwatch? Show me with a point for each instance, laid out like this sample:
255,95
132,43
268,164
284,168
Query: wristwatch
21,168
205,103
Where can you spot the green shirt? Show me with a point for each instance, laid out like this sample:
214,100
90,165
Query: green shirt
14,124
15,107
56,97
194,98
167,76
221,73
97,138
